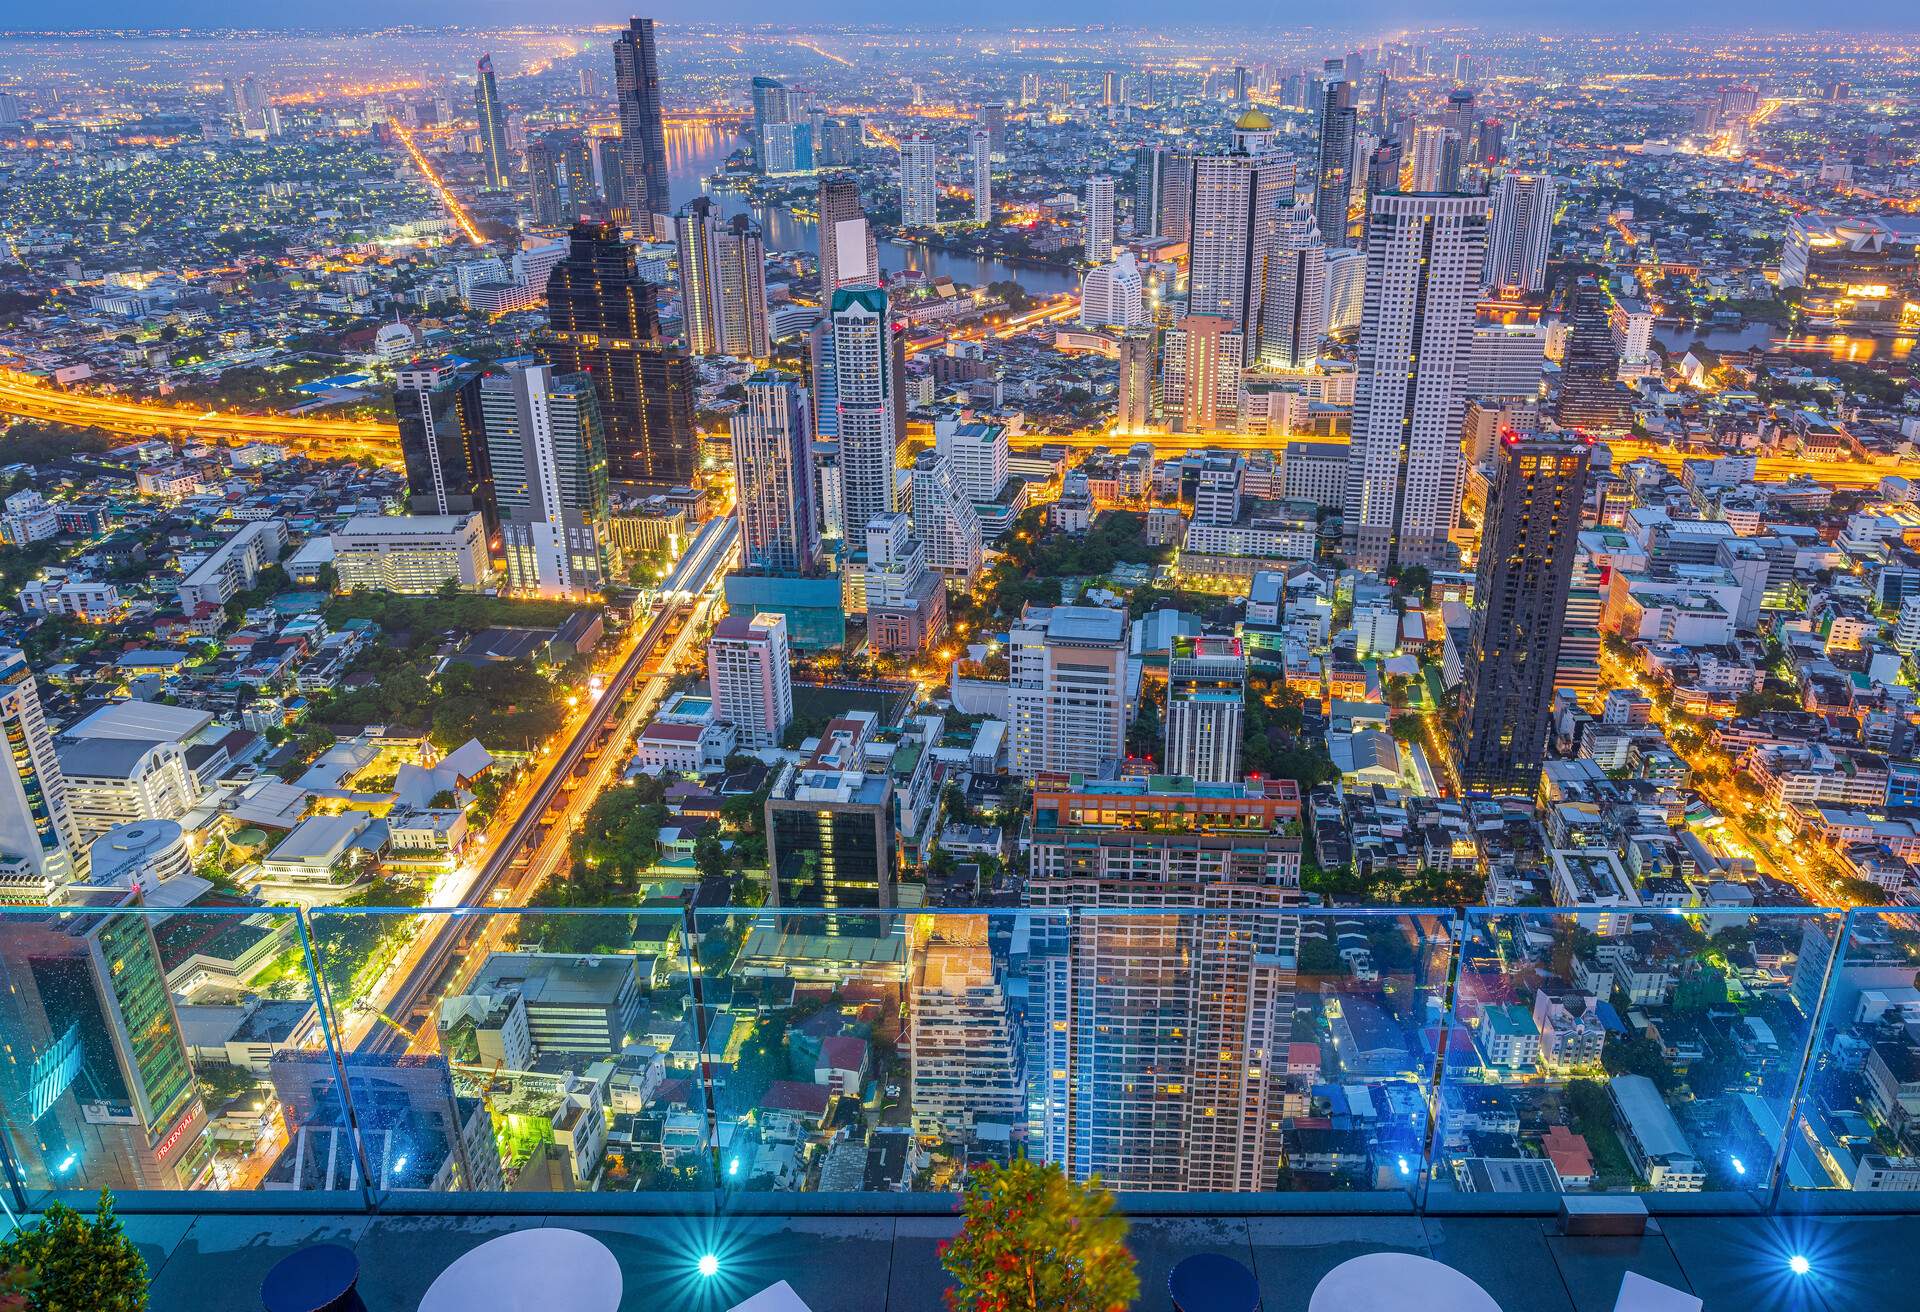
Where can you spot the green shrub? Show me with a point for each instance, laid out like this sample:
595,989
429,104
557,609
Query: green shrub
79,1264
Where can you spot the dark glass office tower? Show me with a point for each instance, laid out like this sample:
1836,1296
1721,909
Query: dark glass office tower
1526,561
643,136
493,125
1333,180
1591,396
602,321
560,179
442,441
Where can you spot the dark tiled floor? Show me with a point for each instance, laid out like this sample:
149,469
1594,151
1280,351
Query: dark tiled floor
214,1263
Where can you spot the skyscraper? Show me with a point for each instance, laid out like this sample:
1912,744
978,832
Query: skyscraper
1522,226
643,135
1067,689
1436,158
1176,198
773,478
1333,179
1206,706
602,322
492,116
1134,404
848,254
549,459
723,282
1099,233
993,120
1526,560
1116,1002
771,104
1293,315
442,440
919,185
982,144
870,405
945,520
559,178
38,840
965,1054
1149,187
750,674
1235,227
1200,373
607,172
1423,260
99,1088
1591,397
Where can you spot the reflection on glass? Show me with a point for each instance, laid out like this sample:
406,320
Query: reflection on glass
532,1052
138,1044
1604,1052
1861,1099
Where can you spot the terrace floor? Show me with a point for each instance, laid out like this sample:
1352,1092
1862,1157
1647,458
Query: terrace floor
214,1262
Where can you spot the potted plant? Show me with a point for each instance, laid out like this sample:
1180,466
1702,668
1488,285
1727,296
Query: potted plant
77,1263
1034,1241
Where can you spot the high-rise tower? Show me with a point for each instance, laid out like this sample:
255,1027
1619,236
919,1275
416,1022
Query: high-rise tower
919,185
848,255
1333,178
545,444
1099,234
492,116
442,441
1526,560
1522,225
38,841
602,322
773,477
1233,230
1591,397
981,142
643,133
1423,260
1293,315
723,282
870,405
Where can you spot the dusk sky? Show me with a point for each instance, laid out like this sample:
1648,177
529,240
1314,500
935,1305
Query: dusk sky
1626,14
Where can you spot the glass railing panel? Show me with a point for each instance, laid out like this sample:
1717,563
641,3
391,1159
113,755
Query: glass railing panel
144,1050
871,1052
494,1052
1645,1050
1856,1140
1247,1052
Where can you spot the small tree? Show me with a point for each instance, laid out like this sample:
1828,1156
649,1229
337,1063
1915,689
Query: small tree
79,1264
1034,1241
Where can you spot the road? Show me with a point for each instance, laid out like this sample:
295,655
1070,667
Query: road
326,439
1732,833
534,844
461,218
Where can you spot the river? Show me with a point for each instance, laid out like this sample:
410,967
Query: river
694,151
1850,347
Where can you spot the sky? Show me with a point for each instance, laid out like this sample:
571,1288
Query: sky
1622,15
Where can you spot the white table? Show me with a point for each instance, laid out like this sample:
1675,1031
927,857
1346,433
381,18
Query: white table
534,1270
1398,1282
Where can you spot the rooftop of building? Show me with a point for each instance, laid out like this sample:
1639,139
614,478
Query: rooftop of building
214,1262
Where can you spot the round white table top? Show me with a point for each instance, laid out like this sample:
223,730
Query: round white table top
534,1270
1398,1282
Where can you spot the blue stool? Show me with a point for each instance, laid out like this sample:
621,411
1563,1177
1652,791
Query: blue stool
1212,1282
316,1279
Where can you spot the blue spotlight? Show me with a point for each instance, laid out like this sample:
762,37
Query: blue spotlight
709,1265
1799,1265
